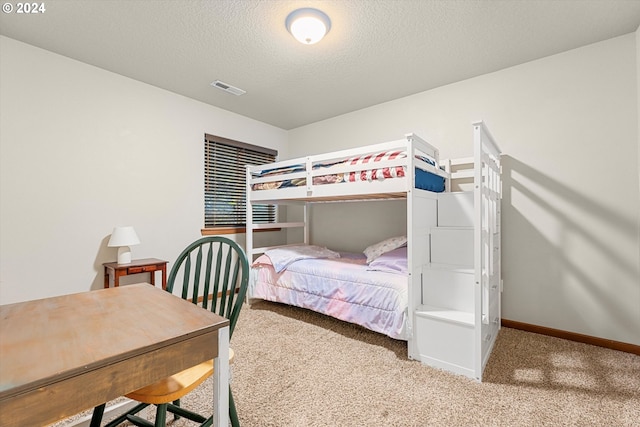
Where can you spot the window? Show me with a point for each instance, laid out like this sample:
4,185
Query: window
225,182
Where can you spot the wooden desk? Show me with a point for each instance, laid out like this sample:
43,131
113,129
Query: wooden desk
63,355
114,271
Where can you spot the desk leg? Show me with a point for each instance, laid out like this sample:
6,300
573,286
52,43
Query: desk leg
116,277
108,273
221,380
164,276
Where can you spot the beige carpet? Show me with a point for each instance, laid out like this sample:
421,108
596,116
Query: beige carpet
297,368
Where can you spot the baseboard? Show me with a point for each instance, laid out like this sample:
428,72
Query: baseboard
112,411
572,336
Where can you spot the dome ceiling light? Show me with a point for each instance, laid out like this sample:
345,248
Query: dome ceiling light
308,25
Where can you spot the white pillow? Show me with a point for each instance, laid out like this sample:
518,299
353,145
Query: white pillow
394,261
374,251
282,257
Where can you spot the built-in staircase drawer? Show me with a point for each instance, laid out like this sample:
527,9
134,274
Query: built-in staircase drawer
444,344
452,246
451,288
455,209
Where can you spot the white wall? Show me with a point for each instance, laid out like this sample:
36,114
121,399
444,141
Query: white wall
83,150
568,128
638,116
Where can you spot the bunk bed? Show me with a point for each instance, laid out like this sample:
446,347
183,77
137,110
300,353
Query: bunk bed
373,299
384,288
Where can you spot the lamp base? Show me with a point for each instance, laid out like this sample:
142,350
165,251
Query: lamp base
124,255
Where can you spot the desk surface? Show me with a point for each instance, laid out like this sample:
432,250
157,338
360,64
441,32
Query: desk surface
66,354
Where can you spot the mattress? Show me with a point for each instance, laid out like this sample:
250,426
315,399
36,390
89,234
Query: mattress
424,180
341,287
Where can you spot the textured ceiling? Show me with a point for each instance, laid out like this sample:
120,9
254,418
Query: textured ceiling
376,51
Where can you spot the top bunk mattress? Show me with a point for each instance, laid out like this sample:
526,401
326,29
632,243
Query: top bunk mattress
391,169
424,180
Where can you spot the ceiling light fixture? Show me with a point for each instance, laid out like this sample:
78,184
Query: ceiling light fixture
308,25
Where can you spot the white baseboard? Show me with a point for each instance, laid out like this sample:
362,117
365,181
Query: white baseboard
109,412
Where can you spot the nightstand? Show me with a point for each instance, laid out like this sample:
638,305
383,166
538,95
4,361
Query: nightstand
113,271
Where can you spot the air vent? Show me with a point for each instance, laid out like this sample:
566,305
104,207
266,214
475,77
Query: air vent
228,88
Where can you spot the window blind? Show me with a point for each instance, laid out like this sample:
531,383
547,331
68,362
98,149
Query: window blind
225,182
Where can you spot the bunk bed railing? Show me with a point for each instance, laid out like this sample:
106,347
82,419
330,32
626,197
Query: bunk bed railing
304,170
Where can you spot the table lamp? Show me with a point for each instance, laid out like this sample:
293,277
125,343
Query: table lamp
122,238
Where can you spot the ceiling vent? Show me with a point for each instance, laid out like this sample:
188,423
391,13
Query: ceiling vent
228,88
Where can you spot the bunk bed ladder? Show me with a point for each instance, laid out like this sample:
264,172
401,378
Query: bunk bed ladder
487,195
458,319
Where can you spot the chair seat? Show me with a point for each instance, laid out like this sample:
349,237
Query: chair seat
176,386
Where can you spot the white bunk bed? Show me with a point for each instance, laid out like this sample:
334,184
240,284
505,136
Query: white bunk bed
423,306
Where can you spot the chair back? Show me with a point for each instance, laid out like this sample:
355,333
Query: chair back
212,272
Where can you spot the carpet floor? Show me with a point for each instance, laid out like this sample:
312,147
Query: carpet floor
295,367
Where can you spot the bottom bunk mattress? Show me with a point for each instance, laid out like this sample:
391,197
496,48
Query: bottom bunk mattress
343,287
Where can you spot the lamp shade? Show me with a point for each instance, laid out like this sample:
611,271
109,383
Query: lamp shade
123,236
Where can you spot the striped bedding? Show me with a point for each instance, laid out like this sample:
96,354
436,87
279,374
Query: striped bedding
424,180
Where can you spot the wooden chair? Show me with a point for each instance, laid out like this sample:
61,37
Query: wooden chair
209,266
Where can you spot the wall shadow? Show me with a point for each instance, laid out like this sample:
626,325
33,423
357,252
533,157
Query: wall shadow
544,270
104,254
